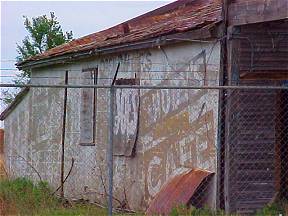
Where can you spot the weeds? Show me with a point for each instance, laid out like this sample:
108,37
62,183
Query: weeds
21,196
77,209
183,210
277,208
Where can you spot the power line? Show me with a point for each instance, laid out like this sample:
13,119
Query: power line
9,85
104,68
140,78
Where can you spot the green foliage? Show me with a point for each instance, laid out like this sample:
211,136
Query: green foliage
77,209
21,196
44,33
82,210
273,209
7,96
183,210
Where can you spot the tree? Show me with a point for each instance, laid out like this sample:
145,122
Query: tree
43,33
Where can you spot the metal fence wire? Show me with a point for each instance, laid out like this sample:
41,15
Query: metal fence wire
237,136
253,149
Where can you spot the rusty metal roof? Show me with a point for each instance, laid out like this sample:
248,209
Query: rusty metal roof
179,16
178,190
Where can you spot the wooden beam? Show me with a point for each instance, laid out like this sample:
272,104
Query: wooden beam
254,11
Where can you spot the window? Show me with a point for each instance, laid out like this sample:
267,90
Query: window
88,107
126,123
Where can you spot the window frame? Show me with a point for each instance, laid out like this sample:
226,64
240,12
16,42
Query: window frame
94,73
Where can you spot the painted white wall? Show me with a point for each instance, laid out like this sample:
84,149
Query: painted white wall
178,128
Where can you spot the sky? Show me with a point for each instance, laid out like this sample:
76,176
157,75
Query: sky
79,16
82,17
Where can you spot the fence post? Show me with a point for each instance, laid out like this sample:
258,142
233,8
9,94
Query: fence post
110,150
63,136
110,142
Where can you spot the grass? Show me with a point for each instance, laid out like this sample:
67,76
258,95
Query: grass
23,197
77,209
182,210
274,209
277,208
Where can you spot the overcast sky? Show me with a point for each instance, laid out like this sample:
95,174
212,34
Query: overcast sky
79,16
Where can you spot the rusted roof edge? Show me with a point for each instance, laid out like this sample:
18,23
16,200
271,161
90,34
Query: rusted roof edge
14,103
202,33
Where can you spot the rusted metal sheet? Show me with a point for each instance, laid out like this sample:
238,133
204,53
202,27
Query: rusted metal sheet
178,190
179,16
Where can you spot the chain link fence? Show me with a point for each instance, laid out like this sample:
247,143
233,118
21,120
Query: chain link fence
235,135
253,153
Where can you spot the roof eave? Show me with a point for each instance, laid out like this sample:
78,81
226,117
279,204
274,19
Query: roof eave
14,103
202,34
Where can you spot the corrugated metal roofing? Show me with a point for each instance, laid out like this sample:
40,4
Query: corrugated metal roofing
178,190
179,16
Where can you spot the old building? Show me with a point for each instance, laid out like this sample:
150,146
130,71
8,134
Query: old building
159,133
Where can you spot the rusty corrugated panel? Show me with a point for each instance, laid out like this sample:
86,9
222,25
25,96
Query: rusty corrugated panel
178,190
179,16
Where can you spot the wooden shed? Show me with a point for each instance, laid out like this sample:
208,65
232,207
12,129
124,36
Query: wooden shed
254,133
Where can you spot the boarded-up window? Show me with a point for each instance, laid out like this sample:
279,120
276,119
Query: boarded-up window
88,107
126,118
